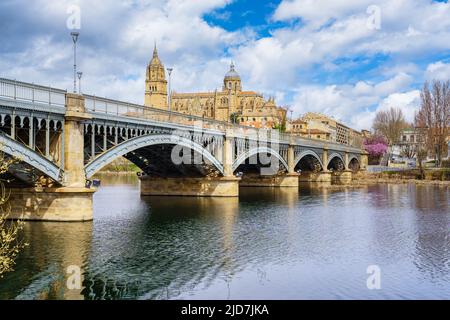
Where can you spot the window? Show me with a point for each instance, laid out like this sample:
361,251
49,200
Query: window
411,138
404,138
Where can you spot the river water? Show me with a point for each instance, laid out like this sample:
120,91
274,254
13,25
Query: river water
268,244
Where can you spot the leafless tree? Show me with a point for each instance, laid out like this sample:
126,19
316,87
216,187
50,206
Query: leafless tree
421,150
10,244
434,117
408,150
390,124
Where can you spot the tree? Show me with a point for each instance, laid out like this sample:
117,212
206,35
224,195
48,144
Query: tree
390,124
10,245
235,118
434,117
376,146
408,151
421,145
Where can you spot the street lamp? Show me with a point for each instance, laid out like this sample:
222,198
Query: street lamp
169,70
79,74
74,39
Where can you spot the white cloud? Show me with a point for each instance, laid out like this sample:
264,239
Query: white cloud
318,12
408,102
357,104
438,71
116,43
297,63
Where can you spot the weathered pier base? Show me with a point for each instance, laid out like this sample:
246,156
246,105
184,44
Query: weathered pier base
190,187
52,204
319,177
289,180
343,177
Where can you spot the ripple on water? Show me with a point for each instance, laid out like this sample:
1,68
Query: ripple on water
269,244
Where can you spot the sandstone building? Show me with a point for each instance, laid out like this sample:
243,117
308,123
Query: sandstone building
319,126
230,104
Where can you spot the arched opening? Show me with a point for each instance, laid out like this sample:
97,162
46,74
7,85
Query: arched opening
354,165
172,161
336,164
164,156
309,163
260,161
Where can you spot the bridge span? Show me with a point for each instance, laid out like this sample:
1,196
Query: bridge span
61,140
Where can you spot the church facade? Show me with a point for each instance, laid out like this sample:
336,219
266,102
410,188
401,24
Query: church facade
230,104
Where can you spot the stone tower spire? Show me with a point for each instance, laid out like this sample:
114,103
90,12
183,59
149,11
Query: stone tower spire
155,83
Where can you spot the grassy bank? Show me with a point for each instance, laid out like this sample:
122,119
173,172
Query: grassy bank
430,174
120,166
432,177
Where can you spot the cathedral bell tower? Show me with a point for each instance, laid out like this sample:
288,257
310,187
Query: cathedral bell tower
156,84
232,80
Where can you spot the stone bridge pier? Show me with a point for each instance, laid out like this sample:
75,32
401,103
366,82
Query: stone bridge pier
72,201
225,184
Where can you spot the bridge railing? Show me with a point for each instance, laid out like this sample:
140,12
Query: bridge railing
28,92
124,109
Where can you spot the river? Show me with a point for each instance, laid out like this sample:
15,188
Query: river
314,243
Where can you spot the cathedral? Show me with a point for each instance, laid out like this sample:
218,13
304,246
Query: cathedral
231,104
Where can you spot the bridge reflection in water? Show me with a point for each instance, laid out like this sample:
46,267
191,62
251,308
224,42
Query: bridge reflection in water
269,244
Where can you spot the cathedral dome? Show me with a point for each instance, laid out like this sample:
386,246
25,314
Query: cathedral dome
232,74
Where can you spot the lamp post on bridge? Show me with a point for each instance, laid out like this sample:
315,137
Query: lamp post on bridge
79,74
74,39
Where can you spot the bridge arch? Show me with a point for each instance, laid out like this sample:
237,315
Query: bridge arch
30,157
136,143
336,162
354,163
314,161
256,151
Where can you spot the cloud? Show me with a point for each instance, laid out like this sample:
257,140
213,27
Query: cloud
115,44
317,12
319,55
357,104
438,71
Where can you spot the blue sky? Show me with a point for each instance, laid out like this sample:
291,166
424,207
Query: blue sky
346,58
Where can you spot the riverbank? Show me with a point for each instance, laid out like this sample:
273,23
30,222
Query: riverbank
120,166
432,177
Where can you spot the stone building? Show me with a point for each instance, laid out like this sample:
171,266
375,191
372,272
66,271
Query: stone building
319,126
230,104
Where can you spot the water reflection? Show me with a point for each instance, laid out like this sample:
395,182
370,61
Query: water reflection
41,270
268,244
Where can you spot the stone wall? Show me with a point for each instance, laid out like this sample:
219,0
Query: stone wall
194,187
270,181
62,204
344,177
315,177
